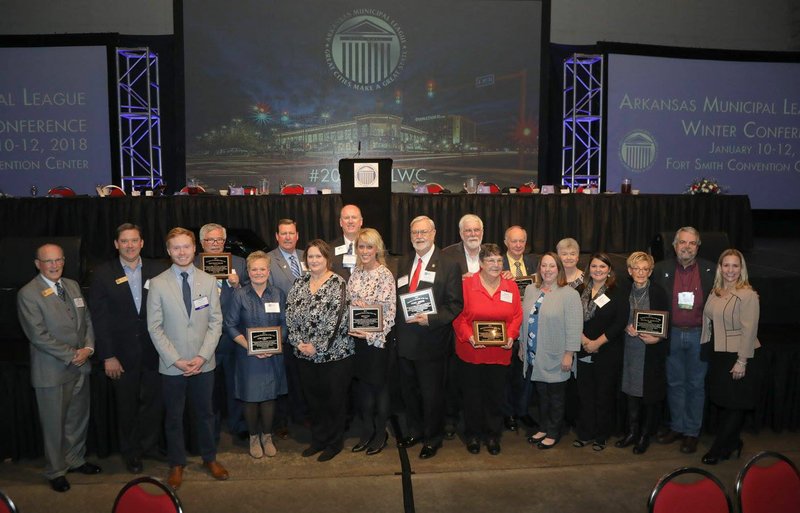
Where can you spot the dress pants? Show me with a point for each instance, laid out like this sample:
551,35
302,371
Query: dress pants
139,411
597,388
552,401
483,387
224,382
326,387
422,385
686,381
64,415
199,389
514,389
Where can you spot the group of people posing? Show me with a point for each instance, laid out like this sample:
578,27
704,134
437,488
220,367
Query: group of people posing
163,335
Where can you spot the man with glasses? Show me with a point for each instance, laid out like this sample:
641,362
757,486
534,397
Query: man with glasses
688,281
425,341
55,318
118,297
212,240
344,247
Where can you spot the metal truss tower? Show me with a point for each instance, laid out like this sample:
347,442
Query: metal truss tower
139,112
581,132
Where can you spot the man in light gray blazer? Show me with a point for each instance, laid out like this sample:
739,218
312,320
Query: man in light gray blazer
184,319
55,318
286,265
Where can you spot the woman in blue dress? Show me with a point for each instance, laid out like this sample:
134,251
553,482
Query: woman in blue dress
260,378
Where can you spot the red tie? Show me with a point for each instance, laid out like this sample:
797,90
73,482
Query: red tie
415,279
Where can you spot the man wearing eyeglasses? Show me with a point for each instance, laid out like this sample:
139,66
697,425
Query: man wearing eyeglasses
55,318
212,240
425,340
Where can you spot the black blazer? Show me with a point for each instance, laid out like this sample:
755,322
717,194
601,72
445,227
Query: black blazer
121,331
416,342
336,260
610,320
455,252
528,259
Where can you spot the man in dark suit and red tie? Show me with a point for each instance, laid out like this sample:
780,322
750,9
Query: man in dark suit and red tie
118,298
424,340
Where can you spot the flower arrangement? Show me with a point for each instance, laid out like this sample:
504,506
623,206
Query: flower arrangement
704,186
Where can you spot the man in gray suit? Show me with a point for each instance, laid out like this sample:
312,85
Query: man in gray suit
55,318
185,320
286,265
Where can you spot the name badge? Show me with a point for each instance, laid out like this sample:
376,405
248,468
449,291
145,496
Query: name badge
349,260
340,250
685,300
601,300
49,292
147,285
120,281
428,276
201,303
272,307
506,296
401,282
78,302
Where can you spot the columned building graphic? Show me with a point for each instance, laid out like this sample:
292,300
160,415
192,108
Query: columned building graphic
366,52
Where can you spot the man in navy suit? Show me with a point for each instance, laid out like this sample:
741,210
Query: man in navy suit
118,297
212,240
344,247
424,341
55,319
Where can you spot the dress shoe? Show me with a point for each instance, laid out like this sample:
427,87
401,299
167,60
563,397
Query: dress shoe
626,441
528,421
474,446
689,445
537,437
544,446
511,423
310,451
428,451
361,445
669,437
712,457
493,446
59,484
374,448
217,470
269,447
642,444
87,468
328,454
134,465
407,442
175,478
599,445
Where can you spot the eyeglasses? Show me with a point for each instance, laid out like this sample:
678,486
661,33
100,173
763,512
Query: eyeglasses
639,269
214,241
51,261
415,233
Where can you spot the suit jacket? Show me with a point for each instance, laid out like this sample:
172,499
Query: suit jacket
455,252
280,273
664,275
734,322
416,342
55,329
336,264
121,331
528,259
175,334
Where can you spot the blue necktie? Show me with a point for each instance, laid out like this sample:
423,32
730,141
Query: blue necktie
187,293
60,291
294,266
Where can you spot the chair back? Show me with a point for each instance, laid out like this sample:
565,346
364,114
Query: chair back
769,482
147,494
6,504
61,191
689,490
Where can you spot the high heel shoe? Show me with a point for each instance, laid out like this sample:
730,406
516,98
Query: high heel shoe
627,440
362,444
375,449
712,458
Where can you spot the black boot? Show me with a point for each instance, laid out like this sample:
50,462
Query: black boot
633,424
642,444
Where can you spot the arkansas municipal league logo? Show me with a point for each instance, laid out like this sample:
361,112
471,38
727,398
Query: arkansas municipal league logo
637,151
365,49
366,175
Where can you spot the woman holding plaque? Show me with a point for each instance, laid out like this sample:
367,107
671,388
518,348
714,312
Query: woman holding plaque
372,285
605,315
484,353
569,253
644,374
550,335
730,323
316,318
260,378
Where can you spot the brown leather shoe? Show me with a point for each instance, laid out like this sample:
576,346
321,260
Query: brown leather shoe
175,478
217,470
669,437
689,445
